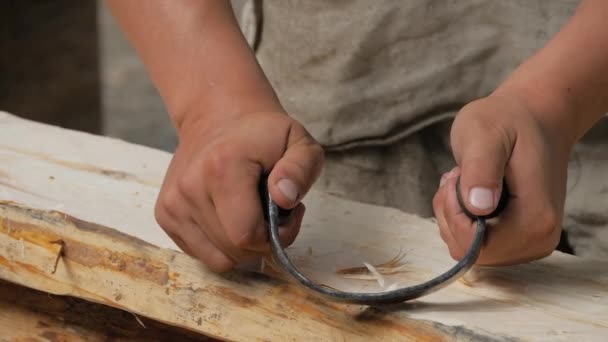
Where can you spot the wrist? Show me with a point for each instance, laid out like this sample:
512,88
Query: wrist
209,109
554,113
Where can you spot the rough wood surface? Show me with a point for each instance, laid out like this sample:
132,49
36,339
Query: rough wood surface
31,315
77,220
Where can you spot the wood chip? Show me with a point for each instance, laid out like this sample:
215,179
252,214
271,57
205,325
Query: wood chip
139,320
378,276
392,266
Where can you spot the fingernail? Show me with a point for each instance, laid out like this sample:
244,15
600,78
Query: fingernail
481,198
288,189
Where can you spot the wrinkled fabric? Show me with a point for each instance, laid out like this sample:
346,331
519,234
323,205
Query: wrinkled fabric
586,210
378,82
404,175
366,72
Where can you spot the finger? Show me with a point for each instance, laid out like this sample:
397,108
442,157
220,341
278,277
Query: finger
290,178
438,208
207,219
203,249
195,243
185,204
223,188
294,174
482,157
527,230
516,236
170,211
239,209
180,243
461,227
289,232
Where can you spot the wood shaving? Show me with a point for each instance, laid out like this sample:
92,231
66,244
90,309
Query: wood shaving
392,266
59,254
471,277
271,265
359,276
391,287
329,287
139,320
377,275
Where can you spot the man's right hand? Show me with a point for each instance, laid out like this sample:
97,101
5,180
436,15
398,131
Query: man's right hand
209,203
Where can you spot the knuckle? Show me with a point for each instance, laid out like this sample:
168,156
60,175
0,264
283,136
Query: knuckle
160,214
474,117
169,205
216,161
161,219
545,236
188,185
548,223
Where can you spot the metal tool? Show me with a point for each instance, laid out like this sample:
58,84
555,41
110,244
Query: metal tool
275,216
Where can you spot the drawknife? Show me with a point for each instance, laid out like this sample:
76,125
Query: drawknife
275,216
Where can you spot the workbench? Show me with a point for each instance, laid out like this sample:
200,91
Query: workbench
77,226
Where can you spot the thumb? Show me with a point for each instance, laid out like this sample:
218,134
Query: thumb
295,173
482,158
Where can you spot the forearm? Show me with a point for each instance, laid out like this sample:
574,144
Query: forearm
566,82
196,56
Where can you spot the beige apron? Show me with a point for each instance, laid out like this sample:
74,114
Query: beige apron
371,72
377,83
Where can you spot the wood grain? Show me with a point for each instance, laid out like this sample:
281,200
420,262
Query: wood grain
31,315
89,201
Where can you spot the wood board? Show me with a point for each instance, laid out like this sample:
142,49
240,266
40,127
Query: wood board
31,315
89,201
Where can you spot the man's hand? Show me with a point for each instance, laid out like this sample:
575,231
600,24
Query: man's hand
524,131
206,72
209,203
492,138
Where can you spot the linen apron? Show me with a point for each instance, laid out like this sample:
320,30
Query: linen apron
377,83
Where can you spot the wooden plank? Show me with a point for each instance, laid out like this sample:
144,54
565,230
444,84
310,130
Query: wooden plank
30,315
106,266
90,201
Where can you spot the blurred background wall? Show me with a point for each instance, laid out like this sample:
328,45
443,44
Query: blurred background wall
49,62
67,63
